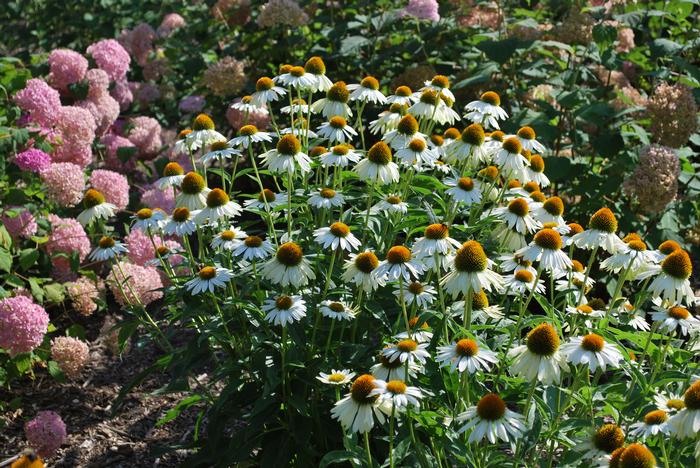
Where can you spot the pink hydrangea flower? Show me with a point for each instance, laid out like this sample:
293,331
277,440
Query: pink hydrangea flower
145,134
114,187
33,160
139,42
22,225
192,104
170,23
77,127
67,237
142,283
71,354
422,9
104,109
112,143
146,93
156,198
98,82
111,57
65,183
82,293
46,433
66,67
23,324
121,92
140,247
40,100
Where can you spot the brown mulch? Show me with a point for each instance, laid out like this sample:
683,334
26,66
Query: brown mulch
95,438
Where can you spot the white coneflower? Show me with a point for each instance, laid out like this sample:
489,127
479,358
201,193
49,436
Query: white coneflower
592,350
421,334
469,147
510,160
402,96
527,138
298,106
436,239
442,167
173,174
336,310
399,262
514,262
550,211
326,198
491,419
466,355
335,102
671,279
209,278
407,350
180,223
246,106
470,271
606,440
297,78
248,135
339,156
545,248
633,257
219,205
317,69
193,192
635,318
267,198
539,358
669,402
391,203
284,310
572,279
300,128
361,269
387,120
285,157
516,216
673,318
336,377
600,233
219,151
406,130
535,171
393,370
426,105
395,395
357,409
266,92
288,266
254,248
377,166
96,208
367,91
203,133
107,248
655,422
415,292
686,422
522,282
336,130
147,219
587,312
182,145
337,236
417,152
487,110
464,190
445,113
228,239
665,249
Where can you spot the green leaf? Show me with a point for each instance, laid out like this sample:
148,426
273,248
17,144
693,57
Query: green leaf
604,35
55,371
338,456
499,51
28,258
5,260
55,293
664,47
179,408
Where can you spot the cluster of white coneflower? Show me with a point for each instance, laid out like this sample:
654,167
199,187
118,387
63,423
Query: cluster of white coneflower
407,219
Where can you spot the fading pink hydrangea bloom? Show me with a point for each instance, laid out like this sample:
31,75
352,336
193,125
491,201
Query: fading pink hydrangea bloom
625,40
114,187
66,68
170,23
111,57
82,293
22,225
139,42
77,128
121,92
67,237
157,198
40,100
33,160
225,77
23,324
146,93
276,12
46,433
673,114
654,182
71,354
140,284
112,143
192,104
65,183
422,9
145,134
